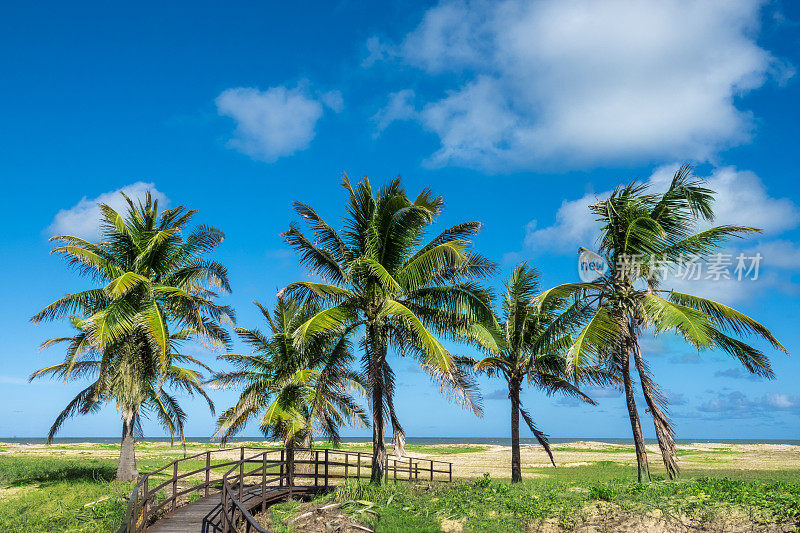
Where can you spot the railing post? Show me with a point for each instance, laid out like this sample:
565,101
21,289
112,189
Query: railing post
346,464
386,470
431,460
394,461
409,468
316,468
146,487
451,472
241,476
358,467
174,484
326,468
264,479
283,464
224,504
146,498
208,470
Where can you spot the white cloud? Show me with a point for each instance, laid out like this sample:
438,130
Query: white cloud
334,100
82,219
399,107
574,227
737,405
586,81
274,123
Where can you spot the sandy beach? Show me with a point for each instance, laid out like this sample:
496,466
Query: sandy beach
475,460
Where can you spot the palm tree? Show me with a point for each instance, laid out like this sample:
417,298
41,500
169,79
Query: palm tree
643,234
292,392
154,280
403,295
535,342
128,375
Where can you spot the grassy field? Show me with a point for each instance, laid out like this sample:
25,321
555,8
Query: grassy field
60,494
70,488
600,495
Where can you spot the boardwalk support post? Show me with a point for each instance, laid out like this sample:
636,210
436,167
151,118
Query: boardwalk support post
326,468
208,470
174,485
264,478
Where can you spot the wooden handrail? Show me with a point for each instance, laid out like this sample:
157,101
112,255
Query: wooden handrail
143,504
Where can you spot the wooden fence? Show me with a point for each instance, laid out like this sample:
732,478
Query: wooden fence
247,478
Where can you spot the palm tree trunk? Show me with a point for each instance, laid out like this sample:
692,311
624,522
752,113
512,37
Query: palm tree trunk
662,423
636,427
378,446
516,460
377,355
126,469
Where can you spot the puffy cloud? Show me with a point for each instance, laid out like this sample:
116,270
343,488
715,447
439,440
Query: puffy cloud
690,358
82,219
586,81
497,394
737,373
398,108
738,405
274,123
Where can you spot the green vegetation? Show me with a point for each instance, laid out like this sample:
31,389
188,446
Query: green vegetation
567,497
55,495
630,449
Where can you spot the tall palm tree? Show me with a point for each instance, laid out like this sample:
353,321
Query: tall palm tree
404,295
535,340
643,234
154,281
292,392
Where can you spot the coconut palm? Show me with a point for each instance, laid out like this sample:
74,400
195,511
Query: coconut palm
293,393
643,233
535,340
377,276
154,282
126,370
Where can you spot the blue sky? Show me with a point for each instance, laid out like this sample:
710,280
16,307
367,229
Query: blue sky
518,113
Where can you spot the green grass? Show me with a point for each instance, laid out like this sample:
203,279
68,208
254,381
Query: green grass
55,494
630,450
565,496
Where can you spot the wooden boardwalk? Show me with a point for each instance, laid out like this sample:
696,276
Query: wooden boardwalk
236,482
205,514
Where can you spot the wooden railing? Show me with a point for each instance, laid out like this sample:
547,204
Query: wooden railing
257,478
